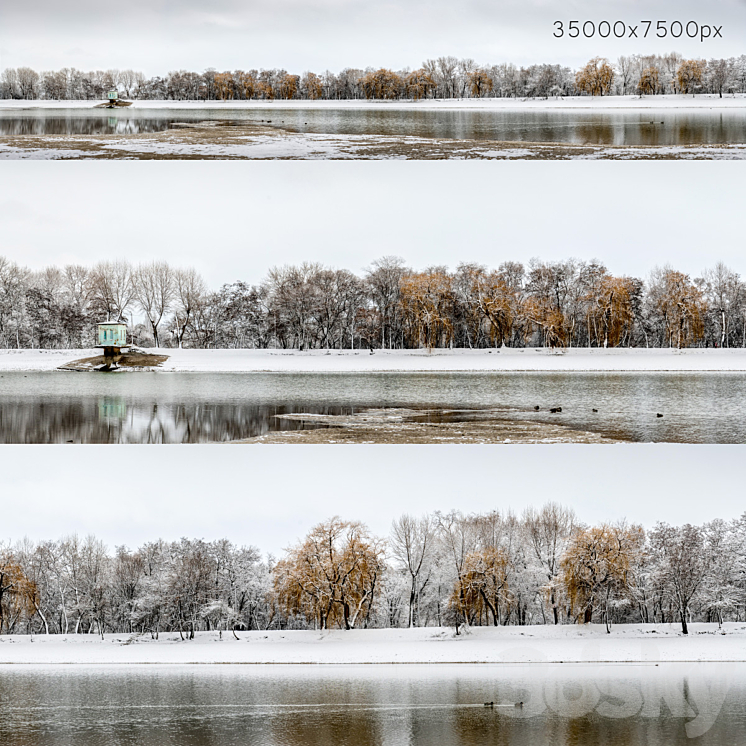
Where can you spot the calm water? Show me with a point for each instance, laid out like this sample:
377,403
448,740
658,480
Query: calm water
57,407
573,705
579,127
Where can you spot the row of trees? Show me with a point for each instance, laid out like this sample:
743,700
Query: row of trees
60,307
553,304
444,77
496,568
651,75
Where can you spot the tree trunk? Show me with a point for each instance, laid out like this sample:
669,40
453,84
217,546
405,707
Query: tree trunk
44,619
410,622
555,610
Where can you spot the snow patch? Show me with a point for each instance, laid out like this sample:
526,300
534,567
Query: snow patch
631,643
700,101
357,361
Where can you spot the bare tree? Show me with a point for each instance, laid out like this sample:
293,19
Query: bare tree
384,283
683,564
447,67
412,544
458,539
113,288
189,291
726,297
154,290
625,66
549,530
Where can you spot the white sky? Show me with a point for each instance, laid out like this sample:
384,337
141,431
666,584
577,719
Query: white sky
161,35
235,221
251,496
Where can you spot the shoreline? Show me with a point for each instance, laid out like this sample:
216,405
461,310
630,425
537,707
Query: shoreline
603,103
648,644
501,360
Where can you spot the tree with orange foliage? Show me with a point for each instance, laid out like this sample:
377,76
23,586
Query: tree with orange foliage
611,310
265,90
596,77
488,299
480,82
419,84
312,85
246,84
381,84
649,81
332,576
427,303
550,321
16,592
550,290
596,567
678,305
225,88
288,86
483,587
497,302
690,74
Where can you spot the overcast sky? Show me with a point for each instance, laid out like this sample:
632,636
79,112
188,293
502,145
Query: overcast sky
156,36
249,495
234,223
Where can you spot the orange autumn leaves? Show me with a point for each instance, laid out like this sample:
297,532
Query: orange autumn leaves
17,593
549,304
597,78
597,568
332,576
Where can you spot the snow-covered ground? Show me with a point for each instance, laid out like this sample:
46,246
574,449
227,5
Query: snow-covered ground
537,644
349,361
701,101
305,146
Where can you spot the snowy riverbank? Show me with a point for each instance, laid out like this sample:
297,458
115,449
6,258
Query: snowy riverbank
538,644
358,361
701,101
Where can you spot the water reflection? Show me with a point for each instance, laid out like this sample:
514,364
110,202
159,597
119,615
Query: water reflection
108,421
615,127
58,407
112,410
80,124
357,705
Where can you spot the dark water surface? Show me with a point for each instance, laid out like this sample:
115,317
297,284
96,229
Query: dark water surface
610,127
57,407
436,705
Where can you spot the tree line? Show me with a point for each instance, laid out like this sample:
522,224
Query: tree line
558,304
440,569
442,78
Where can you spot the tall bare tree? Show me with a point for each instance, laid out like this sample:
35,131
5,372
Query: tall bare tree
548,530
189,292
154,290
413,546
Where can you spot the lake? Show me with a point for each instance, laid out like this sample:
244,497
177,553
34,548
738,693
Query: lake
159,407
608,127
412,705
